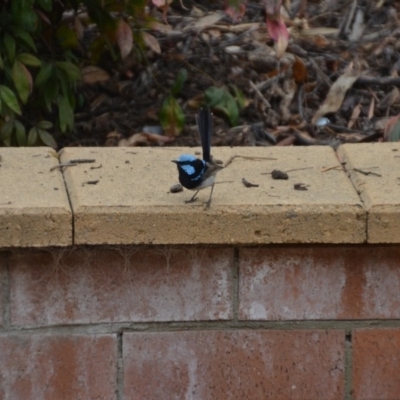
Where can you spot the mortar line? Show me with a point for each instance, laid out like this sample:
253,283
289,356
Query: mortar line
5,289
114,328
348,368
235,284
120,367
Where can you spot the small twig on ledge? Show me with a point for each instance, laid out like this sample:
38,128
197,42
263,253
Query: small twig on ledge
90,182
72,163
248,158
298,169
366,172
62,165
82,161
331,168
248,184
98,167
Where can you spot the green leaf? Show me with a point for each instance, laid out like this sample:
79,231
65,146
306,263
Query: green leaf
7,129
46,4
23,14
100,16
67,37
392,130
51,90
27,38
172,117
221,99
64,83
238,95
44,74
231,110
67,87
22,80
20,133
70,69
9,44
8,96
65,114
215,95
29,59
45,125
180,80
32,137
47,138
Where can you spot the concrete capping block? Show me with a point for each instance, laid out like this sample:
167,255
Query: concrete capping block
123,198
34,206
374,171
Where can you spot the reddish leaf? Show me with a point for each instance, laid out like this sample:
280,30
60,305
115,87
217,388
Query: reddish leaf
160,3
278,31
276,27
272,8
164,5
124,38
236,9
299,71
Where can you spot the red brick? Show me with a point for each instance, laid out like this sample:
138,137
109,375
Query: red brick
58,367
291,283
243,364
98,285
376,364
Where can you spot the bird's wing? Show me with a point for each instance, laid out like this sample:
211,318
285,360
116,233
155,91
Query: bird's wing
204,123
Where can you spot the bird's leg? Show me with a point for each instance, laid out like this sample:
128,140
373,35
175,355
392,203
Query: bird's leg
193,199
208,204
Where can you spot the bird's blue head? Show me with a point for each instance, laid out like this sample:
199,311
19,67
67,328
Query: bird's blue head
191,170
184,158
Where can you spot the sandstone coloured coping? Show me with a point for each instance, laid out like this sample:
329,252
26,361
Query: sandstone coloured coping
34,207
123,198
374,170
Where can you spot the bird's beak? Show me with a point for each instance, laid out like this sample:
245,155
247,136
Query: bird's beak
174,161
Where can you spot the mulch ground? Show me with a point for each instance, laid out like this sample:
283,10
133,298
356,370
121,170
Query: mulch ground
288,100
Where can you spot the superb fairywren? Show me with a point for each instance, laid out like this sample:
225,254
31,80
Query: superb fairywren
196,174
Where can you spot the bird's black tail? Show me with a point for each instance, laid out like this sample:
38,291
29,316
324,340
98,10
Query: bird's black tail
204,123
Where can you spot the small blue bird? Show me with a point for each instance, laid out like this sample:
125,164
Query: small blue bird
196,174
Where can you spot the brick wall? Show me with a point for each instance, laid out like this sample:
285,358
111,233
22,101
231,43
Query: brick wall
278,322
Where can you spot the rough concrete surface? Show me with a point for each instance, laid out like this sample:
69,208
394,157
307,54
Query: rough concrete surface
34,207
123,197
374,170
